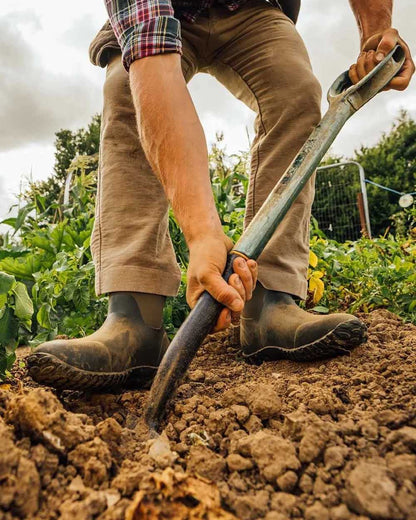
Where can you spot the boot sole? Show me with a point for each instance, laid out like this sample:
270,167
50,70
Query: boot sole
51,371
340,341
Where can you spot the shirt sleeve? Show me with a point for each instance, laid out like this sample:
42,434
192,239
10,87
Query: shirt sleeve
144,28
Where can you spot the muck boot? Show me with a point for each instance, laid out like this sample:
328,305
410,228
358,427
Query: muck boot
125,351
274,327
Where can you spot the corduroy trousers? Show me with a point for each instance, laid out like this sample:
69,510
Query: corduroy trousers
258,55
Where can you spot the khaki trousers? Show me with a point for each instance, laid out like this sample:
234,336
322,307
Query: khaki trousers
257,54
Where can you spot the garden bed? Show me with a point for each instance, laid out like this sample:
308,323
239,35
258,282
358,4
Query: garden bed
330,440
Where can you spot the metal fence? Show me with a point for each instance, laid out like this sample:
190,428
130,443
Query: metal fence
340,206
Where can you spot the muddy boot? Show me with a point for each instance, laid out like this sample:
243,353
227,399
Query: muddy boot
274,327
125,351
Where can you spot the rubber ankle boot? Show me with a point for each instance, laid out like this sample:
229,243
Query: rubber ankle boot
274,327
125,351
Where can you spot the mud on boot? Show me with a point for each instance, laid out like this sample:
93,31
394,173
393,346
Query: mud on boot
274,327
124,351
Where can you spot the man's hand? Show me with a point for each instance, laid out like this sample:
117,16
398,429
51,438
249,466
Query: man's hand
207,261
374,50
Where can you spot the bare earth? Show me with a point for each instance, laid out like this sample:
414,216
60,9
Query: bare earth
331,440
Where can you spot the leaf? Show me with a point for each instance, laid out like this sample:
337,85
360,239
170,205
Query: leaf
313,259
316,286
23,304
11,221
81,297
3,300
321,309
22,214
43,316
6,282
26,266
42,242
8,328
13,253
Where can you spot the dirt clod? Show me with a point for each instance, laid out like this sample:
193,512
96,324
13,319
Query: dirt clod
203,462
316,512
332,440
19,478
42,417
371,491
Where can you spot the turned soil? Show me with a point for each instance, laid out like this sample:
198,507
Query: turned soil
333,440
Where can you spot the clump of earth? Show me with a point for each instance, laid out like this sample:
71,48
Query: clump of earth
330,440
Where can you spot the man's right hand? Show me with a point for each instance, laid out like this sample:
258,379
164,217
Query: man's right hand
208,257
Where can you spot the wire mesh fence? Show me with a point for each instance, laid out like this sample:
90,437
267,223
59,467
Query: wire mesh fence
338,206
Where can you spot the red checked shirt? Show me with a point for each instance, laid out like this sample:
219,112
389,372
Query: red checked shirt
147,27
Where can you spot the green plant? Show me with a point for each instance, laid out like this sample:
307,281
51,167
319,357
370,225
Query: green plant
46,255
16,310
53,259
368,274
69,145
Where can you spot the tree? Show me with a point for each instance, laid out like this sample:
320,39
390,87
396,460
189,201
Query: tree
69,145
392,163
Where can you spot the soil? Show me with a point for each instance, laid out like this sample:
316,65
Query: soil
333,440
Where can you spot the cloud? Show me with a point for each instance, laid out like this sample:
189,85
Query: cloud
81,33
35,102
50,85
214,102
330,32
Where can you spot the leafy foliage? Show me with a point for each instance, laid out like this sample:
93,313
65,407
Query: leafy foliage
16,310
392,163
46,254
368,274
69,145
51,254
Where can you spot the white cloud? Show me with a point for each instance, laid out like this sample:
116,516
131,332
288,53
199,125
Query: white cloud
35,102
47,82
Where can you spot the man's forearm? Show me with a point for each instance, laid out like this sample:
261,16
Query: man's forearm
372,16
174,142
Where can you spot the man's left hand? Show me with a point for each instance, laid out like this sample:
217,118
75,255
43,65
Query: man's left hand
374,50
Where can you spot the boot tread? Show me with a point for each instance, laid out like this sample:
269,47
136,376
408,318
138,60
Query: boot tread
52,371
339,341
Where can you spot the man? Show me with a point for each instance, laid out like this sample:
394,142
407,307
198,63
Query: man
253,48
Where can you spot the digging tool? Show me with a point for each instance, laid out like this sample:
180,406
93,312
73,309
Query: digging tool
344,100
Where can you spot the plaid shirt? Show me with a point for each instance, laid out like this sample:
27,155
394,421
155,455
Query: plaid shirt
147,27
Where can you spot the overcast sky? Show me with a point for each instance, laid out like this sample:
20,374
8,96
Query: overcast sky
47,82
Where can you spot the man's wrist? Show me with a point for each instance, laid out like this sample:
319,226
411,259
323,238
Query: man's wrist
203,232
366,36
373,17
